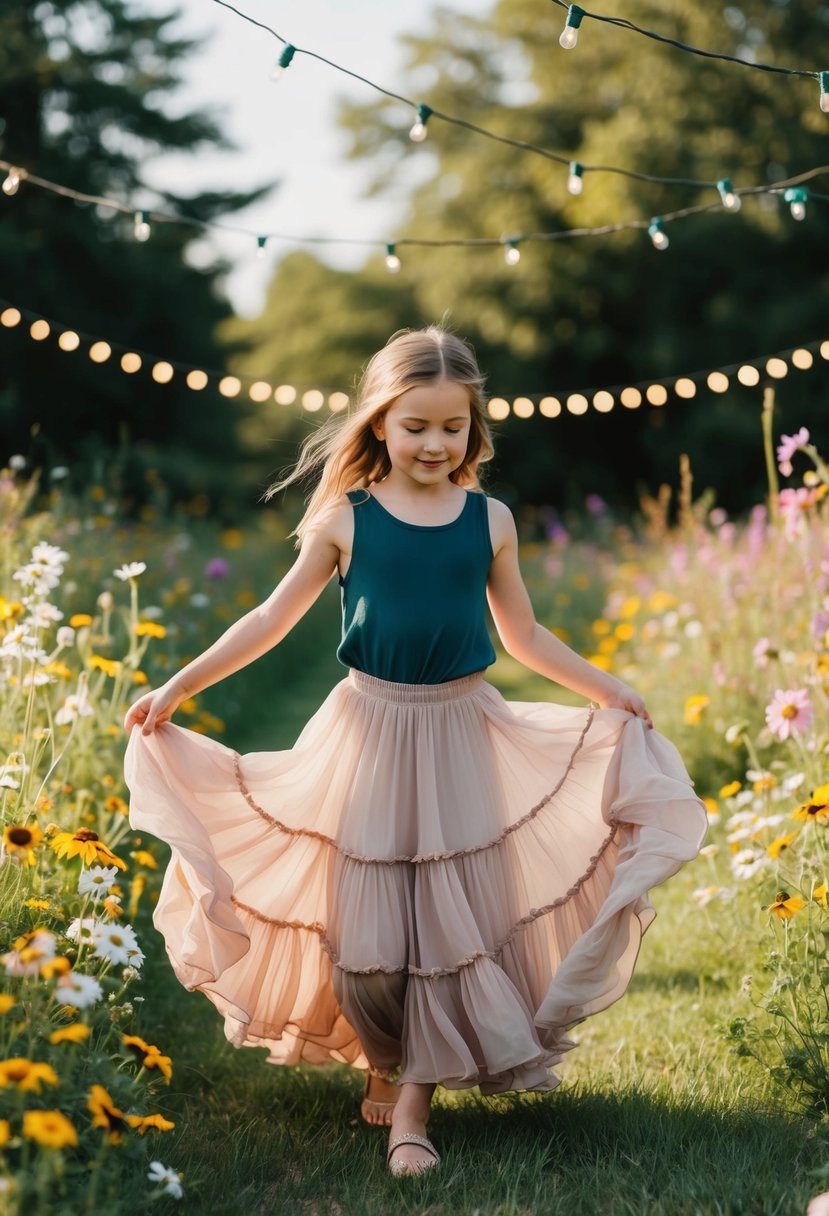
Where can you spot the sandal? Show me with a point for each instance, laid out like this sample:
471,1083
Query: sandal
402,1169
372,1106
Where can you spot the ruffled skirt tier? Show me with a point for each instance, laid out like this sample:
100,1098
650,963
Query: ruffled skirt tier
432,880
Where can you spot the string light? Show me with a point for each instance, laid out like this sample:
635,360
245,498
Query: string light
512,254
523,407
796,197
282,63
570,34
419,132
196,379
748,375
824,91
657,235
656,394
69,340
260,391
550,407
99,352
630,398
12,182
777,368
141,226
730,200
261,242
392,260
575,182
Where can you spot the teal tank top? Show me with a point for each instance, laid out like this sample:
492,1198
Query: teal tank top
414,595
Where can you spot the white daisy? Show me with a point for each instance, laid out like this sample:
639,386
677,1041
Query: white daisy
163,1174
96,880
704,895
42,615
75,706
75,930
116,943
130,570
37,576
49,555
746,863
17,461
78,990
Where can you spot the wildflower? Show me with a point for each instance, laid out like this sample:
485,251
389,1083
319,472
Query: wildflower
85,844
712,810
789,712
27,1075
130,570
161,1173
116,943
144,858
819,895
709,850
116,805
106,601
75,706
746,863
77,990
793,504
149,1055
79,619
816,807
216,568
779,845
789,444
7,1002
142,1123
630,607
624,631
728,791
110,666
78,929
49,1128
763,652
786,906
150,629
703,895
75,1032
106,1114
602,661
694,706
30,952
20,841
96,881
59,965
761,780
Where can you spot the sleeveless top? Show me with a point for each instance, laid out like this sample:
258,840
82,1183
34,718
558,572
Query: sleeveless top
414,595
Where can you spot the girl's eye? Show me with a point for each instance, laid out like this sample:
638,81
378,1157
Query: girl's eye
417,430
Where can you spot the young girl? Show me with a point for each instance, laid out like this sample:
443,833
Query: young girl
433,883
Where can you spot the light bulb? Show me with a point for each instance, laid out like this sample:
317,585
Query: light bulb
575,183
11,183
824,91
570,34
512,254
418,132
730,200
261,242
796,197
142,226
659,238
392,260
279,68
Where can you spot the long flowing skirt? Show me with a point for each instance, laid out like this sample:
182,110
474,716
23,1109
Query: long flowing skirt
432,880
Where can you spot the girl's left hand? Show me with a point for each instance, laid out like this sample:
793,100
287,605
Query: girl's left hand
627,698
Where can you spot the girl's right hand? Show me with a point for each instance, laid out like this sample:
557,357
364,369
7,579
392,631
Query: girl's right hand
153,708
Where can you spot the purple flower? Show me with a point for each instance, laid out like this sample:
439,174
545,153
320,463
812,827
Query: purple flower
216,568
595,504
789,712
820,623
789,444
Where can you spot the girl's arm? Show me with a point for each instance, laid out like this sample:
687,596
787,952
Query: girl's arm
249,637
532,644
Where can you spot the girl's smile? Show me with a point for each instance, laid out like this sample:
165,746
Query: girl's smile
426,430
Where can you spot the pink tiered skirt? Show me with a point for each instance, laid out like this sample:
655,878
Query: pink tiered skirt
432,880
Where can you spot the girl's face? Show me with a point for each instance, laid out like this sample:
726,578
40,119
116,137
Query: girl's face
426,430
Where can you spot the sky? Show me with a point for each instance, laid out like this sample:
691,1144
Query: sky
287,131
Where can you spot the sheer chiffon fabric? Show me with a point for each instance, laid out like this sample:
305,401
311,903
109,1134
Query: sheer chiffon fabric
432,880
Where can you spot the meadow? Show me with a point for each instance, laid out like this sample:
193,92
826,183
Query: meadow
703,1092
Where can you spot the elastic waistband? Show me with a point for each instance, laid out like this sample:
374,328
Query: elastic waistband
388,690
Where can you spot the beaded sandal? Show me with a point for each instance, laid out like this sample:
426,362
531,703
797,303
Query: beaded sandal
402,1168
371,1105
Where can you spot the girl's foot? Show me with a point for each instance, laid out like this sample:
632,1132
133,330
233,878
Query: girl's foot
379,1100
411,1114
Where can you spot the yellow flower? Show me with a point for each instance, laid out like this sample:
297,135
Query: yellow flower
85,844
712,806
232,538
562,598
58,668
5,1132
247,597
625,631
49,1128
561,633
115,804
581,581
819,895
76,1032
149,1055
601,626
766,782
26,1075
55,966
608,645
786,906
630,607
21,840
150,629
661,601
694,707
777,846
142,1123
106,1114
140,677
137,887
189,705
145,858
80,618
110,666
728,791
7,1002
817,806
602,661
211,722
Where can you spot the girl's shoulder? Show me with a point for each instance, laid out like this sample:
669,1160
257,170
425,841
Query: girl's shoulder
502,530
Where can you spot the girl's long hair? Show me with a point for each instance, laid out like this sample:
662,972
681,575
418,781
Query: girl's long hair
346,447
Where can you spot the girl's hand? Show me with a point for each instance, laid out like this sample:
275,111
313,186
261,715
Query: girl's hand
625,697
153,708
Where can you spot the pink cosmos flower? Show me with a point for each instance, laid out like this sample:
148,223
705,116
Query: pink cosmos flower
763,651
792,504
789,444
789,712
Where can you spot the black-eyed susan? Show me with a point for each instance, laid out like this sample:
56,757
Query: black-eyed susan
75,1032
87,845
116,805
30,952
816,807
21,840
106,1114
143,1123
819,895
27,1075
110,667
148,1054
786,906
49,1128
55,966
779,845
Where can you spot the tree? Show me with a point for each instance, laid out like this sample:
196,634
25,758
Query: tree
83,93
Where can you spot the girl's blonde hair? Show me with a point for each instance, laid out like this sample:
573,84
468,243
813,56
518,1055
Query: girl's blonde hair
346,447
